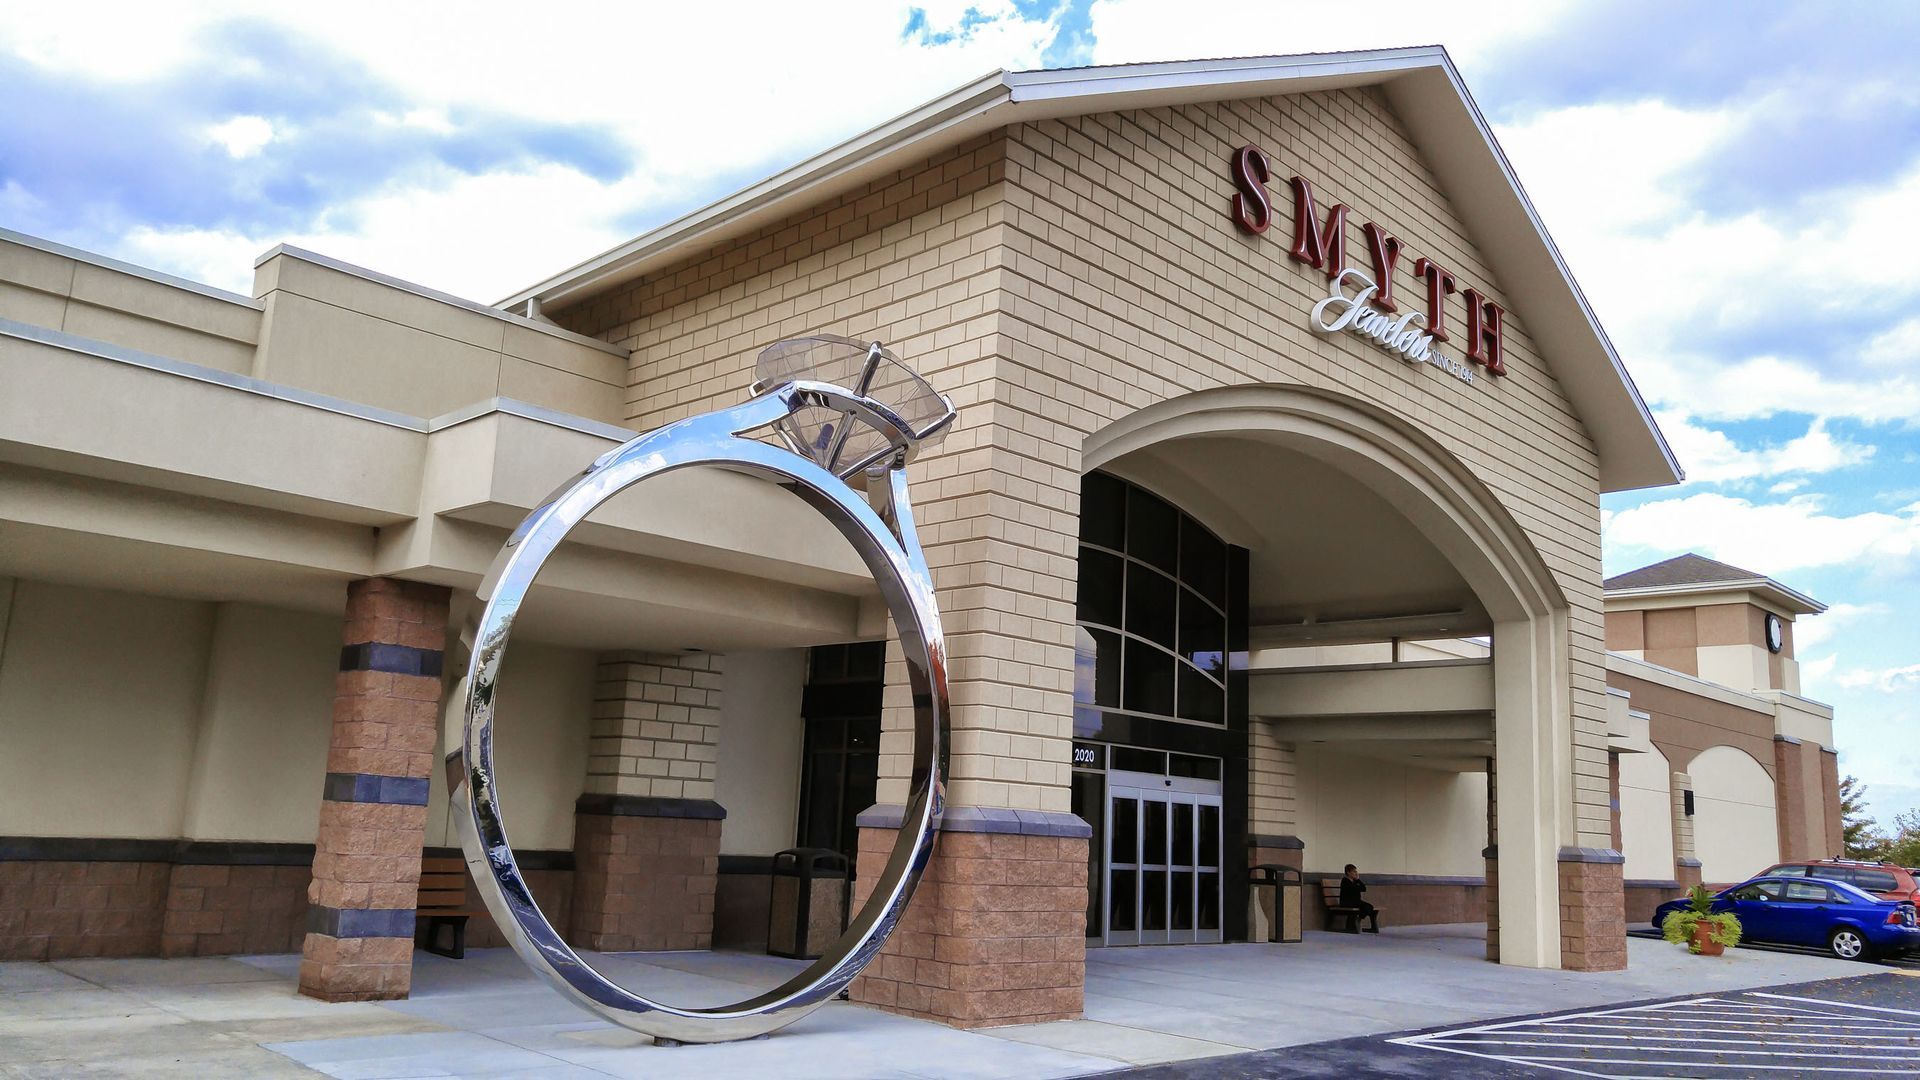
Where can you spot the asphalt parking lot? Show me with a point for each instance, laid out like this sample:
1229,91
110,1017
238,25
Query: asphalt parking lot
1859,1027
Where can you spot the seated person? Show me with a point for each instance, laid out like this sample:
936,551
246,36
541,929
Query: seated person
1351,888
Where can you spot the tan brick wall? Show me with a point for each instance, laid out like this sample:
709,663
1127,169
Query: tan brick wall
1062,275
656,725
1271,789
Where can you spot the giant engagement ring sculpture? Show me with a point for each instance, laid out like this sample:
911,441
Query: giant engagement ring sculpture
842,409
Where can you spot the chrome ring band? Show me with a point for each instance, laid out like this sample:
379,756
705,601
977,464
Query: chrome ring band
891,551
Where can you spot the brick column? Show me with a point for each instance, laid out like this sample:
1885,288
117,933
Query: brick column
1836,844
1790,798
646,834
996,933
1593,910
1613,797
373,814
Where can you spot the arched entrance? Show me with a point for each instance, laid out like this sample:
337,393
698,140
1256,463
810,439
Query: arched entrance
1460,565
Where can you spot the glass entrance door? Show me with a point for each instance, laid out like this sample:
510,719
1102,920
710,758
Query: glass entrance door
1163,860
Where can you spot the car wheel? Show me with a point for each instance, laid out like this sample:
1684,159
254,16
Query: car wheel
1847,944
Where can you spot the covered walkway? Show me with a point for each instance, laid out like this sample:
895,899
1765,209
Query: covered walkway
486,1016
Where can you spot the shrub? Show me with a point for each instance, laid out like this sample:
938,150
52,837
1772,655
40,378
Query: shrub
1723,927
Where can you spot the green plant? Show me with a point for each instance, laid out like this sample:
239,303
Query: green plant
1723,927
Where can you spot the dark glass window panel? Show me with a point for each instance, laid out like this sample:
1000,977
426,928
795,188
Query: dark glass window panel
863,733
1125,829
1101,580
866,659
1103,511
1153,838
1153,530
1090,803
1203,634
821,827
1134,759
1150,604
828,733
1120,909
1181,909
1153,900
1147,682
1203,561
1209,836
1182,834
1193,767
1209,914
1201,698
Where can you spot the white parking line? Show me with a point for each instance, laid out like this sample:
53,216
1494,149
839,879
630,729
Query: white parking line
1841,1004
1674,1038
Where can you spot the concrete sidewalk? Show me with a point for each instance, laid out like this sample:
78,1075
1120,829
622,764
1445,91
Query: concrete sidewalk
487,1016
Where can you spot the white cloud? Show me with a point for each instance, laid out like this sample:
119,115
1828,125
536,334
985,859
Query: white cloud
242,136
699,102
1768,538
1132,31
1886,680
1710,456
1674,284
1812,630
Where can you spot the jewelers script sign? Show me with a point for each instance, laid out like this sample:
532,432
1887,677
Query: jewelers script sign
1363,303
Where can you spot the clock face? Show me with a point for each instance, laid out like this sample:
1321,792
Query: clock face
1776,633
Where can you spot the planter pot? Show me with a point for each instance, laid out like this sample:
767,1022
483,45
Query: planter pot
1704,943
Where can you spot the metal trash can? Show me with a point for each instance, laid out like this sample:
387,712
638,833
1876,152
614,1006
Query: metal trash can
1276,912
809,905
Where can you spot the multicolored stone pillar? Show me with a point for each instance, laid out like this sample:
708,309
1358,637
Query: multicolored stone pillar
366,861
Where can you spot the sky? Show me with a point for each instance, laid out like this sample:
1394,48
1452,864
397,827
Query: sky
1736,187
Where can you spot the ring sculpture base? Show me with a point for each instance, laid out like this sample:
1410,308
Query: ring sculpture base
865,413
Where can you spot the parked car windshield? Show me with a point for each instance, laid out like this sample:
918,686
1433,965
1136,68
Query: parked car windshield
1788,871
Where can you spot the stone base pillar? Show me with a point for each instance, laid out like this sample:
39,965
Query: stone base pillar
996,932
1593,910
1492,856
373,817
645,872
1686,872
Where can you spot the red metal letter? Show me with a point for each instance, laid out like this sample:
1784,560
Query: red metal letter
1325,247
1483,332
1252,210
1439,285
1385,251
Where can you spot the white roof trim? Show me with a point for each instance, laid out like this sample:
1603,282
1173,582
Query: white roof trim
1766,587
1417,80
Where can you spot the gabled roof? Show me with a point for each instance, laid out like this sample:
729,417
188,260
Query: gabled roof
1690,573
1420,83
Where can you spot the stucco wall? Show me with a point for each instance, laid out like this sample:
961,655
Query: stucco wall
761,734
1389,818
1736,833
1646,816
266,719
99,701
540,748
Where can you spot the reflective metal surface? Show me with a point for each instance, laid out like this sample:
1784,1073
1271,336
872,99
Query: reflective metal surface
880,527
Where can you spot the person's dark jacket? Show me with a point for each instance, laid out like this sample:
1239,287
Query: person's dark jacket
1350,890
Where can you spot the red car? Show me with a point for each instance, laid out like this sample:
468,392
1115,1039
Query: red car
1884,880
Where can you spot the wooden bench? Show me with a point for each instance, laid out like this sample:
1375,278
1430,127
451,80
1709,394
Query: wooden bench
1330,899
443,906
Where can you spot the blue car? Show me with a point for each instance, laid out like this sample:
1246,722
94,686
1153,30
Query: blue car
1848,923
